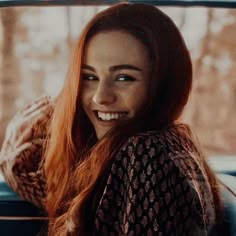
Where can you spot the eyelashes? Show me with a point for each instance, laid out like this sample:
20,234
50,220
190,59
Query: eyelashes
121,77
89,77
125,78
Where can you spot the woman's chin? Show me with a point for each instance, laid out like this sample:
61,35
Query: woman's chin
101,133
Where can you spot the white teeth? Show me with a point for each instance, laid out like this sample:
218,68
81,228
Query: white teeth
111,116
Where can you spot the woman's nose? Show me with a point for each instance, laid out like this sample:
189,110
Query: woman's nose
104,94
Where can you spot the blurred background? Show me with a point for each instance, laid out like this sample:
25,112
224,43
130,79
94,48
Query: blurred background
36,44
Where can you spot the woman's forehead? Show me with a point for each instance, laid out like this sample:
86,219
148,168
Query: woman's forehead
115,47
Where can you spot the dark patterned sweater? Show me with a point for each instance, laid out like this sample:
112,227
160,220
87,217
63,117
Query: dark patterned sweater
157,185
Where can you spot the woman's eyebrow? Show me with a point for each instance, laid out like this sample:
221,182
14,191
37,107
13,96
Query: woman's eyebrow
123,67
87,67
114,68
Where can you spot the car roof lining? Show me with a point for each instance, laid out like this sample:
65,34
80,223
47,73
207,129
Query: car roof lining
183,3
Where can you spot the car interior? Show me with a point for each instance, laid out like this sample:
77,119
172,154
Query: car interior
18,217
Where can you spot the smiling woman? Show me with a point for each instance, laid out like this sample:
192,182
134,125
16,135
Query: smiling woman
117,161
110,85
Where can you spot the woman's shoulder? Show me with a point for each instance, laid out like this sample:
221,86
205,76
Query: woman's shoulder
154,167
174,138
172,146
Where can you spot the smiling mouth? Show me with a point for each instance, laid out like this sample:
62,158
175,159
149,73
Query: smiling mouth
108,116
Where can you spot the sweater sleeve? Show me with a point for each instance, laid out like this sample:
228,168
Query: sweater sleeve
22,151
147,194
22,171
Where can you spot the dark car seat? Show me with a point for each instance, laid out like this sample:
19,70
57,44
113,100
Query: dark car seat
13,209
228,189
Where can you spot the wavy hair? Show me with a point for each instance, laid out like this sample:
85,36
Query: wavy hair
76,163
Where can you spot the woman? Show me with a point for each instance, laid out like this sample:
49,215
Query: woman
117,162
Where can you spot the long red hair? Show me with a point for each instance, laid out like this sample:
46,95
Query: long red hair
76,163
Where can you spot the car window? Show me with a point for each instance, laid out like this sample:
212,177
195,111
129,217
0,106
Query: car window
36,45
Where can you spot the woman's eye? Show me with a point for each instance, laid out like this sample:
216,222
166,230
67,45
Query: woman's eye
125,78
89,77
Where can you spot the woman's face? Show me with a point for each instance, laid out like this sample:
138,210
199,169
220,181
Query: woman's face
115,79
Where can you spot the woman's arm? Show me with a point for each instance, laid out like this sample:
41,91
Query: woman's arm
22,151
